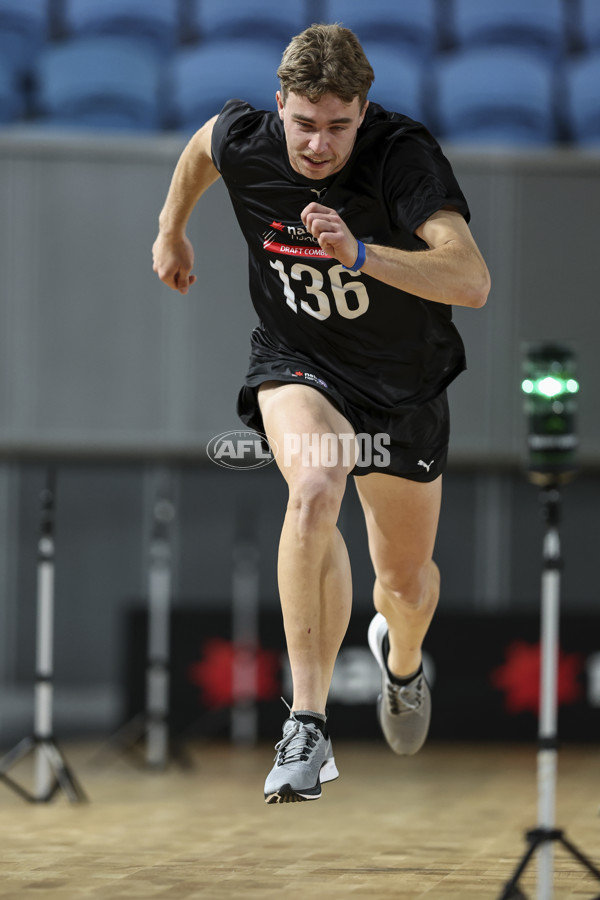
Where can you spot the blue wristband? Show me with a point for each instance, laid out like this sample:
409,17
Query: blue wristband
360,259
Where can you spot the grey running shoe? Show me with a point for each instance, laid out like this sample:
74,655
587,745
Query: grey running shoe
304,760
404,710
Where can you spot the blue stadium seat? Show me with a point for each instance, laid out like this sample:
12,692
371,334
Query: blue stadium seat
582,99
496,96
99,82
398,84
12,104
153,21
203,78
534,24
268,20
410,26
24,26
589,23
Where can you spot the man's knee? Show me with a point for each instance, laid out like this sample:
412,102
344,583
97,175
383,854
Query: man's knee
411,587
315,499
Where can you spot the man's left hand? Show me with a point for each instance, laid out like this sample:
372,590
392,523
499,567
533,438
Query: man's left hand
333,235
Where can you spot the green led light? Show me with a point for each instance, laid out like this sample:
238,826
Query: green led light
550,386
550,389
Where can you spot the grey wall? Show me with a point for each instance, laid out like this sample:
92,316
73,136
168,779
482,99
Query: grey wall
535,218
107,371
96,354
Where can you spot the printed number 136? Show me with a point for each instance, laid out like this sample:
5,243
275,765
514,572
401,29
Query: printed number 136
320,307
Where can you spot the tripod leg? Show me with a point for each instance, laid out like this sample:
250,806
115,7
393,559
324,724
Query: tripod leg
574,851
13,757
64,775
17,753
511,890
514,893
25,795
124,739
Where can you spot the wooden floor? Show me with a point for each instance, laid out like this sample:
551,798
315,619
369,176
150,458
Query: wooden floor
446,825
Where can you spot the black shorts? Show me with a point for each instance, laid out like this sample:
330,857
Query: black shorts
412,440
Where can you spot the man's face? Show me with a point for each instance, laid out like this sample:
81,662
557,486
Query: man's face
319,136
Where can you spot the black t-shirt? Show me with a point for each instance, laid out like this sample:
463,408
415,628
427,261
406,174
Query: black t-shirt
387,346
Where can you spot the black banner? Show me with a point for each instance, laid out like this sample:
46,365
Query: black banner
484,672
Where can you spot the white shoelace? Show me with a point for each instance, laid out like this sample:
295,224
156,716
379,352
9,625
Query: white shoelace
405,697
297,744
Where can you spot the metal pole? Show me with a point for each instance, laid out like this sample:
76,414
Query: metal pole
245,630
547,754
50,769
157,673
542,838
43,695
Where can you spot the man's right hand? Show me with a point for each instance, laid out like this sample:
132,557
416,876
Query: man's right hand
173,261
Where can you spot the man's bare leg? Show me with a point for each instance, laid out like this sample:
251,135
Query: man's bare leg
402,517
313,569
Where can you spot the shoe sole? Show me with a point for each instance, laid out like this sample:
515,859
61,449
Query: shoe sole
288,794
377,629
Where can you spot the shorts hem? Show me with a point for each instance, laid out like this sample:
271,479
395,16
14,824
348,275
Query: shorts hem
416,460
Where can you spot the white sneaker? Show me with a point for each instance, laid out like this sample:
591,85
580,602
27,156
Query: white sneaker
304,760
404,711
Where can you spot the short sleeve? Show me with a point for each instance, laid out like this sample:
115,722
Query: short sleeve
230,122
419,180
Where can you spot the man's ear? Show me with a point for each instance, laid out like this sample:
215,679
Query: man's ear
363,112
279,98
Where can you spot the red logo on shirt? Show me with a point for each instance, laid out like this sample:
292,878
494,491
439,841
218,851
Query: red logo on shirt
305,245
291,250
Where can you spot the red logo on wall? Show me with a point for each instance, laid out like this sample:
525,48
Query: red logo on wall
257,673
519,678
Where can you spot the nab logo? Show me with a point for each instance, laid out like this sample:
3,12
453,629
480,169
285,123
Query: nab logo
240,450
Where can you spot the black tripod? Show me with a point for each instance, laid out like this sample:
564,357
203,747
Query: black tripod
152,725
51,771
543,838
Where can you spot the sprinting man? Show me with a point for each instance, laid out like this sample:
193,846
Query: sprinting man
358,249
